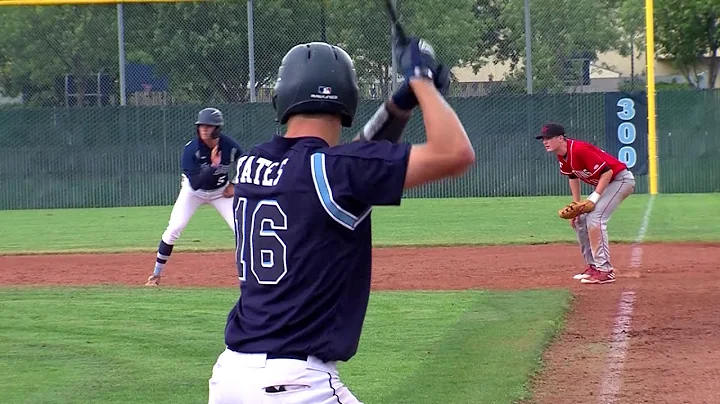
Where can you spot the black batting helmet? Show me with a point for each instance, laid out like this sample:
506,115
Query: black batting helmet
213,117
316,77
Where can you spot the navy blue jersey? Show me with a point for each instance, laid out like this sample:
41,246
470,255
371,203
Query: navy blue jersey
304,243
196,163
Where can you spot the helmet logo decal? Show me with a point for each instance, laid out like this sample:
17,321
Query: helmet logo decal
324,93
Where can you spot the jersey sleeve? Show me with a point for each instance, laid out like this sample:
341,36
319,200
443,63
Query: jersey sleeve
235,152
189,165
192,169
235,145
349,179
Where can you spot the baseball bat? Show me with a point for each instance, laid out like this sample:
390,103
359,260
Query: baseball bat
399,31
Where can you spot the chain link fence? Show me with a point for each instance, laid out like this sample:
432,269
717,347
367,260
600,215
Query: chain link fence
80,128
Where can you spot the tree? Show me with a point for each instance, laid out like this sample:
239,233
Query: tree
565,35
39,45
686,31
203,47
363,29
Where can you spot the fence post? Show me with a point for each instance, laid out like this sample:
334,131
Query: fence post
121,52
393,69
528,50
251,49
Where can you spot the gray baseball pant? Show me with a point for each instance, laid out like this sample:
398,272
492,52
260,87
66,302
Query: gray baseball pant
591,228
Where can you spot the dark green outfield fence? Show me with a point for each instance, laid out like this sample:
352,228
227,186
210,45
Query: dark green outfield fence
130,156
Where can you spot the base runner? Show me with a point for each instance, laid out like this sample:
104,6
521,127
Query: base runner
206,161
613,182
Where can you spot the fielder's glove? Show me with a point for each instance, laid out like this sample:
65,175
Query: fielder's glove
576,209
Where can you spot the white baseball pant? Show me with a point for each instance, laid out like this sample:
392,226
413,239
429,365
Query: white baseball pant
188,201
240,378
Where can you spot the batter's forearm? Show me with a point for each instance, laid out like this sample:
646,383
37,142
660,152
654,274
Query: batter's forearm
443,129
575,189
387,123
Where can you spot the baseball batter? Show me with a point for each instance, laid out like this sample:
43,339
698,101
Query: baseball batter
206,161
302,208
613,182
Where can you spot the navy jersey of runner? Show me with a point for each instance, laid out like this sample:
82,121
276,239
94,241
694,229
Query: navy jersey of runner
304,243
196,162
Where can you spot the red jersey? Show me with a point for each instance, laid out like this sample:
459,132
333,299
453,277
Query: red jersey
588,162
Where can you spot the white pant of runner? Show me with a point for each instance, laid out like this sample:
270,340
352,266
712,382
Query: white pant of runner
240,378
188,201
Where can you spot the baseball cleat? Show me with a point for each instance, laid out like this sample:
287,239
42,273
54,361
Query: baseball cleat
586,274
600,277
153,281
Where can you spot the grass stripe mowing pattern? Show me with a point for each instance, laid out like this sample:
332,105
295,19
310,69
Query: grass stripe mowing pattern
120,345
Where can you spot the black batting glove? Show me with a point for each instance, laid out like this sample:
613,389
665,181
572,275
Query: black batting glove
415,58
388,123
405,99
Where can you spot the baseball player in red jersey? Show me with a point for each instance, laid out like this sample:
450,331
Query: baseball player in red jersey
613,182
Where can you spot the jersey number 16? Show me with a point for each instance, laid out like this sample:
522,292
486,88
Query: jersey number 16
258,245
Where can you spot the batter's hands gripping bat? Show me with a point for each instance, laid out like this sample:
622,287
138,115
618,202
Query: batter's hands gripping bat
415,57
575,209
391,117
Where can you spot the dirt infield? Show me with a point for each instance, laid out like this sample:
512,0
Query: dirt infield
672,353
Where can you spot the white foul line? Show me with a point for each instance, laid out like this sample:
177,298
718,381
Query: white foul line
636,257
611,382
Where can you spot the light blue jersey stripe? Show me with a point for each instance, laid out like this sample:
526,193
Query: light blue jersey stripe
324,192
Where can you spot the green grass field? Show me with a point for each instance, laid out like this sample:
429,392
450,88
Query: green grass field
416,222
99,345
122,345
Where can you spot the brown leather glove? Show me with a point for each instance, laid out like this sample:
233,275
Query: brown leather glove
575,209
